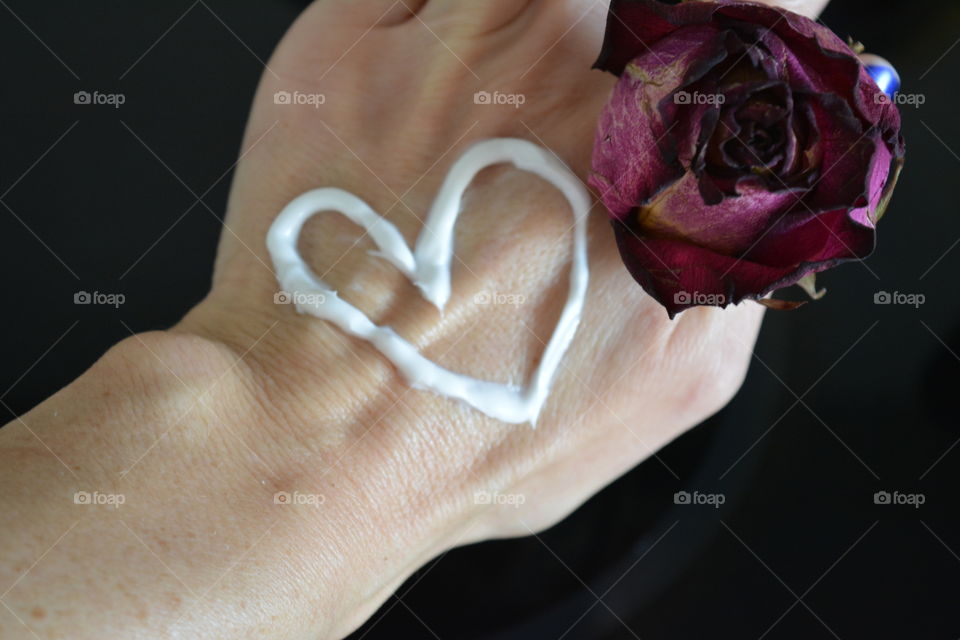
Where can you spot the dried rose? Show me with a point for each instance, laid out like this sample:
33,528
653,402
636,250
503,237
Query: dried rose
744,149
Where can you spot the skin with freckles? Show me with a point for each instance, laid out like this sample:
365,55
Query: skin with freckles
200,428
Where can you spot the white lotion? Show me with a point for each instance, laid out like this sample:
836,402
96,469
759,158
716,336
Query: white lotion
428,266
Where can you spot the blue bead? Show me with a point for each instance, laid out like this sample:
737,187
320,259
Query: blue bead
886,78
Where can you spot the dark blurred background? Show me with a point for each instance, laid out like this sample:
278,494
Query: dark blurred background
845,398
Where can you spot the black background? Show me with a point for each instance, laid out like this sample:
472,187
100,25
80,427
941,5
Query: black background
845,397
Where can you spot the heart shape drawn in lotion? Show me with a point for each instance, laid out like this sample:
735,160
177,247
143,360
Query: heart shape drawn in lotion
428,267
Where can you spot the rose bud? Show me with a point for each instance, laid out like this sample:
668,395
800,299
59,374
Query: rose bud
744,149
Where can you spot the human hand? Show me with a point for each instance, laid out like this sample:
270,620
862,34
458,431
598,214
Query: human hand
293,404
397,109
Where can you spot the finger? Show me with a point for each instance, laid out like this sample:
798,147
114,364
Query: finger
582,10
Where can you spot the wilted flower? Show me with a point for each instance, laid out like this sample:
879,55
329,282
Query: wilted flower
744,148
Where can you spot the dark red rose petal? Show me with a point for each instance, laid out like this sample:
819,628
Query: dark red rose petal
633,26
786,178
680,275
635,154
735,222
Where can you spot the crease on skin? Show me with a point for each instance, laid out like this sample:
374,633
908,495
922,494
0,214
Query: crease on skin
403,12
488,17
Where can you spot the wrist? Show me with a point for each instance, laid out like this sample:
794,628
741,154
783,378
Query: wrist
179,428
324,519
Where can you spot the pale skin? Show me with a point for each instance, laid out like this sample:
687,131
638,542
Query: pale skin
200,426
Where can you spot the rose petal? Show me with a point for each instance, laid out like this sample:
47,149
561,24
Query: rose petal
733,226
679,212
814,58
844,148
635,153
877,109
634,26
680,275
876,179
821,238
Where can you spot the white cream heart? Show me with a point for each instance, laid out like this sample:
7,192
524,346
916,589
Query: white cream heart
428,266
